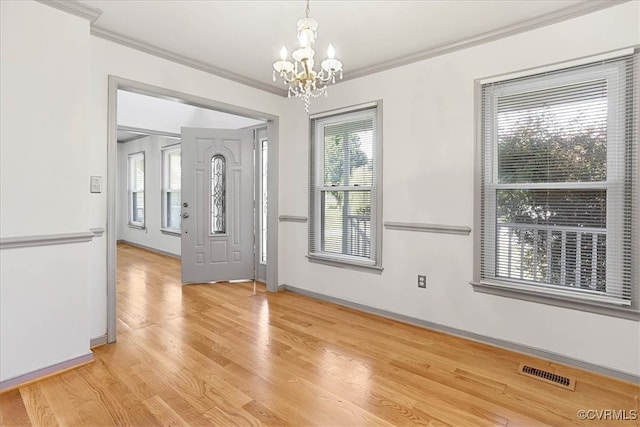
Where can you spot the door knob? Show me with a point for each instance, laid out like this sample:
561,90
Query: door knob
185,215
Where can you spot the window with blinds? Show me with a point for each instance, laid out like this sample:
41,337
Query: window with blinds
135,183
171,193
264,200
344,187
559,181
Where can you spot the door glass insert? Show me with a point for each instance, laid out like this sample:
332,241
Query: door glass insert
218,194
263,220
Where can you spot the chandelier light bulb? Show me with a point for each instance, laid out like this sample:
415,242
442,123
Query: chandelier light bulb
331,52
298,74
303,39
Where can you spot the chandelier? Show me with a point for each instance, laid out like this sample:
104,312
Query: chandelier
301,78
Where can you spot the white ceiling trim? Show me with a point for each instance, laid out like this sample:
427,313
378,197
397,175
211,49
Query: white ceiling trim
183,60
147,132
133,138
509,30
550,18
74,8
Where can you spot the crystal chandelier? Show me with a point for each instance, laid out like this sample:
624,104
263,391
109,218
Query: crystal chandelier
303,81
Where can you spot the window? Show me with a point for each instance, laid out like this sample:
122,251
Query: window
218,194
264,145
171,176
135,183
559,182
345,189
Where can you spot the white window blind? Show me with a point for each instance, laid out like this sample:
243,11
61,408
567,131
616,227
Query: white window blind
136,189
559,181
171,193
344,187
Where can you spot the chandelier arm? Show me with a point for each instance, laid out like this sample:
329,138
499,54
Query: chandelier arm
326,80
302,80
287,78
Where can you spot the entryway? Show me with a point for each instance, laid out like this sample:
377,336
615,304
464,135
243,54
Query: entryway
226,224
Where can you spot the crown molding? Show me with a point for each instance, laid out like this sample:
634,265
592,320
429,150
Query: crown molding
183,60
131,139
148,132
74,8
564,14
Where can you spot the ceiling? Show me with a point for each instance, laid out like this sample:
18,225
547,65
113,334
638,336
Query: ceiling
241,39
140,115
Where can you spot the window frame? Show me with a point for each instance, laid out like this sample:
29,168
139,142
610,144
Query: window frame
263,144
165,152
616,177
316,188
131,159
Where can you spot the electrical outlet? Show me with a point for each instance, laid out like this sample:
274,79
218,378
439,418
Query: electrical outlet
422,281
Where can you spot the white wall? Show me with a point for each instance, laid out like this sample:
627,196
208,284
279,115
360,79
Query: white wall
44,186
150,236
428,173
52,118
108,58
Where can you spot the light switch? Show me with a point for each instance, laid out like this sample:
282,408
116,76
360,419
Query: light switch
96,184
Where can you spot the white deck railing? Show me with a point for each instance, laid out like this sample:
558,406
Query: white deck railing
551,254
358,238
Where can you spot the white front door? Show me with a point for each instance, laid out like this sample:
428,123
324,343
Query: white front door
217,205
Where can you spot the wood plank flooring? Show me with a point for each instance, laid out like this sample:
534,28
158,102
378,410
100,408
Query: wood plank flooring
232,354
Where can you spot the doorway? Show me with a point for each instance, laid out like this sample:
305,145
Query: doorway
268,219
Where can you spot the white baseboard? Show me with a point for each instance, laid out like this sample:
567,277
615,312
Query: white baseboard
39,374
98,341
496,342
149,248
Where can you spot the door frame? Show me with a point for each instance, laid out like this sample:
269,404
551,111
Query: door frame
272,122
259,132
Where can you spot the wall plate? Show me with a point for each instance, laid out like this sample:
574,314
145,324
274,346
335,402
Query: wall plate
95,185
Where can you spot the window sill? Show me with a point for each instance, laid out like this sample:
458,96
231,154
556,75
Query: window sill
573,303
137,227
171,232
342,263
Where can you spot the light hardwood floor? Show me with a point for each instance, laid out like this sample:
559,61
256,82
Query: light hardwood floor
232,354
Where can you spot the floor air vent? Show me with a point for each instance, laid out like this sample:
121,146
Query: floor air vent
548,377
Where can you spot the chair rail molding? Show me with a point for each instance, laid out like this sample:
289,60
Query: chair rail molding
292,218
428,228
49,239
